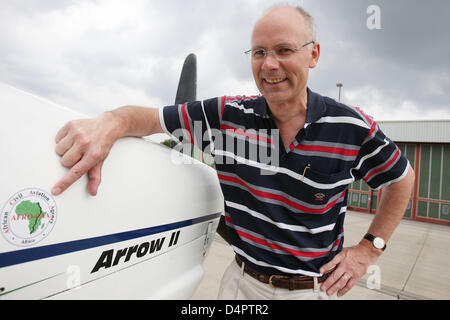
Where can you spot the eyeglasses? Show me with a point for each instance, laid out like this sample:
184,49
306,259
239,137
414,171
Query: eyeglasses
281,53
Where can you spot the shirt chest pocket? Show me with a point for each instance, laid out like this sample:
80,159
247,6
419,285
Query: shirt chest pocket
324,180
323,190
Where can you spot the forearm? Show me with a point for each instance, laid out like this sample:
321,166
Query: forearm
394,201
352,262
134,121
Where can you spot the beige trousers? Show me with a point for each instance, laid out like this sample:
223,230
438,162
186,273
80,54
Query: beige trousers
238,285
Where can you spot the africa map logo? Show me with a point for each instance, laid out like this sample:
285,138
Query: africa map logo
28,217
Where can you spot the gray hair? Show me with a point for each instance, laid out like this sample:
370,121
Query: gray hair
311,25
309,22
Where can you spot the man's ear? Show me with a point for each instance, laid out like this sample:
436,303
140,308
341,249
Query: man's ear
315,54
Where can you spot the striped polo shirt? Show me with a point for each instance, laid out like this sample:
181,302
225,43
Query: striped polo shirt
285,208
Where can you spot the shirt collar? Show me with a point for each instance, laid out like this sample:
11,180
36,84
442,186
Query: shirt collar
315,110
316,107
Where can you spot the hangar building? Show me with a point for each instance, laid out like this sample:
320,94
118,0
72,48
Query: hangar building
426,144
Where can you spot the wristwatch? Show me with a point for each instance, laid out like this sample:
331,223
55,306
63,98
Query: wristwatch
377,242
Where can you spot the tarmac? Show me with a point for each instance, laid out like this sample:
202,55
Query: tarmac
415,265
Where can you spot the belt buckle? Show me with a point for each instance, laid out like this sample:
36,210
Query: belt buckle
278,276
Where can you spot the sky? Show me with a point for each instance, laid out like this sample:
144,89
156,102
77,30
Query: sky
392,57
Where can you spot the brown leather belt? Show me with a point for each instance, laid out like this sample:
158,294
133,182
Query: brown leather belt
279,281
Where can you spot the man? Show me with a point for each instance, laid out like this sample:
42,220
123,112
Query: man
285,226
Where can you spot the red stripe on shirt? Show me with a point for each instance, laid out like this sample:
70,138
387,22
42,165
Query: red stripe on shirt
240,98
186,122
281,198
371,122
345,152
278,247
383,167
364,115
372,128
223,105
245,134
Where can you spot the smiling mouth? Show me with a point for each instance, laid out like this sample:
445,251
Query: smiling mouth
274,81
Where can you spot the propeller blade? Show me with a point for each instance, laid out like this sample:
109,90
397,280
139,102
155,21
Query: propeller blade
187,87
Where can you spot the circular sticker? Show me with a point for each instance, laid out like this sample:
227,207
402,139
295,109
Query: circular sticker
28,217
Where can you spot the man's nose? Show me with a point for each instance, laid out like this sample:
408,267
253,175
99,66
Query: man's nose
270,61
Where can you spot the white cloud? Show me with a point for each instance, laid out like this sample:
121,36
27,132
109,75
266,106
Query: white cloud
96,55
373,102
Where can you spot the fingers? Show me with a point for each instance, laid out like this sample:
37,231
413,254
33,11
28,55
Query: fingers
95,177
74,174
340,281
71,149
75,144
62,132
71,157
350,283
334,279
66,147
351,264
326,268
339,278
63,145
340,284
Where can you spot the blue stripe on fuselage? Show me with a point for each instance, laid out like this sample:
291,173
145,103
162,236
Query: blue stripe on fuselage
31,254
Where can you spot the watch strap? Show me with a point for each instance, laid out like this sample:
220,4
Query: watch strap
371,238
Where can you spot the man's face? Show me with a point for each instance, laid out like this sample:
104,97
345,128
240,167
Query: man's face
282,81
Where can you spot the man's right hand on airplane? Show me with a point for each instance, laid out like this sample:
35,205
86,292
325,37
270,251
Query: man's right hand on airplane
83,146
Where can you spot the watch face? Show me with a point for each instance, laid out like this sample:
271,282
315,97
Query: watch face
378,243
